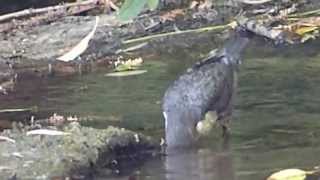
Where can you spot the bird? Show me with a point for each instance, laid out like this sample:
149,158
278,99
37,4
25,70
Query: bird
209,85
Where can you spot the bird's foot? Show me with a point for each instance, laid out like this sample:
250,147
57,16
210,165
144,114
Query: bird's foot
225,132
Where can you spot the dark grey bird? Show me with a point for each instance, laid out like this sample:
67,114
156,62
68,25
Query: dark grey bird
208,86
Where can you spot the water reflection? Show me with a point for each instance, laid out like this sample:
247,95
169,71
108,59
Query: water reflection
201,164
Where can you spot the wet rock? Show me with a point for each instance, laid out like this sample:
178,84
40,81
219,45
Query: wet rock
78,154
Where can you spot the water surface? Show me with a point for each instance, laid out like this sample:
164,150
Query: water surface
276,118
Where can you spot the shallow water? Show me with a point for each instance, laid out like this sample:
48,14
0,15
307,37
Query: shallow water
276,119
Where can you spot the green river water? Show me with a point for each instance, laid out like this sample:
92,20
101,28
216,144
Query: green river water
276,119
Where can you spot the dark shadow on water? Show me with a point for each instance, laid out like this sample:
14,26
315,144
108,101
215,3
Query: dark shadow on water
201,163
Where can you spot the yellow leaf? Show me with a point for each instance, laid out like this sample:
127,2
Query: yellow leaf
233,24
305,29
131,64
124,67
289,174
134,62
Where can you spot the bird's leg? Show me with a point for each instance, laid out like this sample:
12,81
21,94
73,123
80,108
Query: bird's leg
224,121
225,131
79,64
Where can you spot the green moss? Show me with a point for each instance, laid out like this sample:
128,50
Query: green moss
50,156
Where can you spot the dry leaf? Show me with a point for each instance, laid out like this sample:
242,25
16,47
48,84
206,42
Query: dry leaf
310,21
303,26
193,4
303,30
171,15
80,47
205,5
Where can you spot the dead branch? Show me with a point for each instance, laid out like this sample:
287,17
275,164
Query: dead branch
44,15
63,7
259,29
263,30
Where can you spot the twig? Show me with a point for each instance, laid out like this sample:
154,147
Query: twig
30,12
45,15
19,110
132,48
211,28
111,5
317,11
259,29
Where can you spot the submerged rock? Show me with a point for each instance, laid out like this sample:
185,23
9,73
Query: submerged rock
78,154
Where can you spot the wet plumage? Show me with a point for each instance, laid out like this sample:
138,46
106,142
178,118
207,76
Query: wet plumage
207,86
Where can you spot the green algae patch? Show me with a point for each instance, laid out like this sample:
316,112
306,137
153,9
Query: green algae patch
78,154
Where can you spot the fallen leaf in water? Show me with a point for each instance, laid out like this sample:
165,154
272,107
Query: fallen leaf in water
47,132
128,65
124,67
289,174
17,154
134,62
285,131
126,73
4,138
